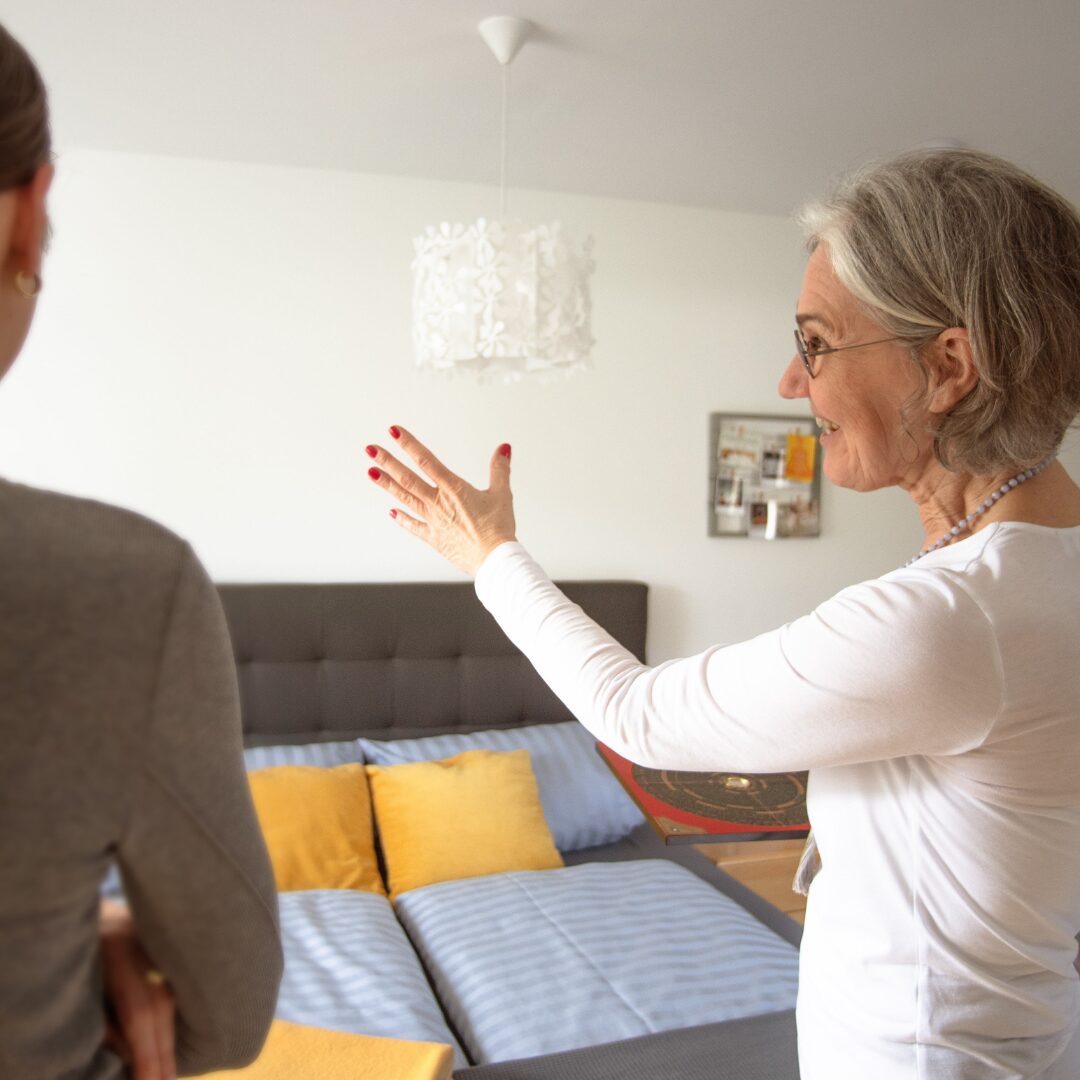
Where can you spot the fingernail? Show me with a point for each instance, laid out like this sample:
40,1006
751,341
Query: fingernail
371,451
374,474
396,432
505,450
393,513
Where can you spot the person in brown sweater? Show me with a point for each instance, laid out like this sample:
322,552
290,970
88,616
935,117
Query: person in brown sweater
121,743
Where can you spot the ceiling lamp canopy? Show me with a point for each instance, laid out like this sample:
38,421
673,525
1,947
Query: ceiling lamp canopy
502,298
504,35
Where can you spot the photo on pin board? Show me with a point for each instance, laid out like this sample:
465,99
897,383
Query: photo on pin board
764,476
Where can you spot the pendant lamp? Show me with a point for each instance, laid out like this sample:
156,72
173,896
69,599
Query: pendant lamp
501,298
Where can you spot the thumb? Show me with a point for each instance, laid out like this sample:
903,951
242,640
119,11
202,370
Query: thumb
500,468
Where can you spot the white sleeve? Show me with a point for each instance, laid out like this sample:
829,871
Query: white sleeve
902,665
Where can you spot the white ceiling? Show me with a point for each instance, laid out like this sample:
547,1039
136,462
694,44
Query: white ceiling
737,104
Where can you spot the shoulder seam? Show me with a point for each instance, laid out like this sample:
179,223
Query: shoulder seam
151,704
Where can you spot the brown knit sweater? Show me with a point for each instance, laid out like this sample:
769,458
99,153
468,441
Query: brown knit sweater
120,741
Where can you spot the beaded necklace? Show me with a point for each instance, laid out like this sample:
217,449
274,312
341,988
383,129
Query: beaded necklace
965,523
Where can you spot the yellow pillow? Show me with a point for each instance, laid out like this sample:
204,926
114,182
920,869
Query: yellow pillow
475,813
318,827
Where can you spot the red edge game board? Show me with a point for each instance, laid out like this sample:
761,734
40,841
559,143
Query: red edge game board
701,808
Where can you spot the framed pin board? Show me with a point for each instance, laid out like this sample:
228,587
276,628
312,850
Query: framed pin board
764,476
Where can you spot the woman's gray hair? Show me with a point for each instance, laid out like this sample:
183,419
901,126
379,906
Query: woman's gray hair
941,238
25,139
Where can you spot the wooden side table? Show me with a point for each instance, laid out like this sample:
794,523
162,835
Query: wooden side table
766,867
753,826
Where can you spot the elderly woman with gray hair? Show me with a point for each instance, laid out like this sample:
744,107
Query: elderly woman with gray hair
938,706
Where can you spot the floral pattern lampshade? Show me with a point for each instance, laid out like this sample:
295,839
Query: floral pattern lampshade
501,299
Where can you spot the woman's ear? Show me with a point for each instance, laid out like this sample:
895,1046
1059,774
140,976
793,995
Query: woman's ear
953,374
30,224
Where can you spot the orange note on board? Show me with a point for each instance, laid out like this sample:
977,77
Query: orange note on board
799,460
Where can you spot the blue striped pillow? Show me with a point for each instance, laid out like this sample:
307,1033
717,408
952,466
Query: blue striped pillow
583,803
325,754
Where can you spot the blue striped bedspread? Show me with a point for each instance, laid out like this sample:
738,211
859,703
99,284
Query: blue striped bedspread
536,962
350,967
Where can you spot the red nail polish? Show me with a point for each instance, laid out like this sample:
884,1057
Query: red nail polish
505,450
396,432
371,451
393,513
374,474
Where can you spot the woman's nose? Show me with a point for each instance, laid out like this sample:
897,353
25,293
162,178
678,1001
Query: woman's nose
794,383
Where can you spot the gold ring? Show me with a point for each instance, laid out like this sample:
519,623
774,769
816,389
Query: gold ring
154,977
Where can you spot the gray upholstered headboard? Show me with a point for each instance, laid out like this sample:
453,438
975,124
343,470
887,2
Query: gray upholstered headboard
323,662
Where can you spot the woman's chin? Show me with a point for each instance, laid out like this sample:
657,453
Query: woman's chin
839,471
852,480
834,466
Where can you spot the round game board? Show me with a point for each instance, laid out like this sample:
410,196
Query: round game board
752,799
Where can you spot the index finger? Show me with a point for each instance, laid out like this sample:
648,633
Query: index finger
165,1014
147,1022
142,1036
423,457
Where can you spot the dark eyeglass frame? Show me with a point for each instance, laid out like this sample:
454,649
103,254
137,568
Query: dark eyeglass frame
806,353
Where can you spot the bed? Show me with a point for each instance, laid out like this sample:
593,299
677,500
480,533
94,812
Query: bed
591,967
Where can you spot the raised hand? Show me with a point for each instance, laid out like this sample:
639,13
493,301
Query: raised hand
462,523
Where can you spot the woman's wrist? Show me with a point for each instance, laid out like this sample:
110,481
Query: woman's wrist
491,550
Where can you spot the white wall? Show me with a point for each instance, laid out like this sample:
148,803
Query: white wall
218,342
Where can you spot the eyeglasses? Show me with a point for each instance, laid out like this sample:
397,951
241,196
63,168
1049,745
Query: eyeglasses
806,354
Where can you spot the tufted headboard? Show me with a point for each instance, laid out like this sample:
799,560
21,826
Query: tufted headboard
389,661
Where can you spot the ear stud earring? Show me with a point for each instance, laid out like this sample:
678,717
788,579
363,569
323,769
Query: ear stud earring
29,285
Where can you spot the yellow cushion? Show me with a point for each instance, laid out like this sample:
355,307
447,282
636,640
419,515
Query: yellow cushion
293,1052
475,813
318,827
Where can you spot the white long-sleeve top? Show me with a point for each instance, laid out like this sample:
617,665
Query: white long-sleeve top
938,709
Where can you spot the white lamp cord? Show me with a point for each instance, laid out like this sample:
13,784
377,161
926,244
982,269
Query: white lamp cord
505,136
